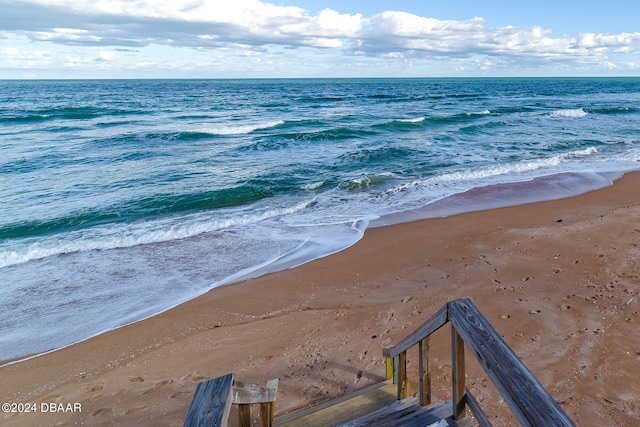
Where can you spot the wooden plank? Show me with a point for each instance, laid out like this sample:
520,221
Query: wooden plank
211,403
244,414
389,368
414,416
396,369
424,362
267,411
341,409
252,393
458,373
478,413
436,321
526,397
379,415
245,386
272,384
406,413
403,382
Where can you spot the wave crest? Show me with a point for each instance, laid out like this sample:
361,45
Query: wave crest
135,234
242,129
573,113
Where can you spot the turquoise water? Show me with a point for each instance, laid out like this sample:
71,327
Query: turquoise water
121,199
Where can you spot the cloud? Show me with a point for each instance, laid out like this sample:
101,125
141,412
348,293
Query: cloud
403,32
616,41
66,35
14,57
107,55
255,25
186,23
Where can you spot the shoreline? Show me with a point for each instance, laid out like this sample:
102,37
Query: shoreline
533,270
486,197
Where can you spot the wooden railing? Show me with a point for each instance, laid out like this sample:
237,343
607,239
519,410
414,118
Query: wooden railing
529,401
213,398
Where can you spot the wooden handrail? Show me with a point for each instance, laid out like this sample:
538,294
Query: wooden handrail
527,398
211,403
213,398
436,321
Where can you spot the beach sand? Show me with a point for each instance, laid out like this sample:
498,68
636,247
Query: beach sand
559,280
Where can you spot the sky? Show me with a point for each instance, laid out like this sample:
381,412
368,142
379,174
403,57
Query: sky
49,39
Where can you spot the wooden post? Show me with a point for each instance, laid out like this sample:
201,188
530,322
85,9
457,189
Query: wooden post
424,354
245,395
457,349
244,411
403,383
266,413
389,373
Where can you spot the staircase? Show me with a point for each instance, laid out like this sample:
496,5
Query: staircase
388,403
376,405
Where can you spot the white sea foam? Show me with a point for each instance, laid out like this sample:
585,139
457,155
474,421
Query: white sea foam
135,234
232,129
150,279
480,113
312,185
581,153
413,120
482,174
574,113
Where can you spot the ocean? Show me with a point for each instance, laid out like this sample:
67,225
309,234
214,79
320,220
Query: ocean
120,199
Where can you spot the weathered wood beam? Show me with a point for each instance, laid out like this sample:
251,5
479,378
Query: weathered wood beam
211,403
267,411
529,401
403,382
424,356
244,414
436,321
244,393
458,372
478,413
389,368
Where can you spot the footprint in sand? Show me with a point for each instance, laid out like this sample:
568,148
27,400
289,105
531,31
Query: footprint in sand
180,394
158,386
121,392
136,380
134,410
194,376
93,388
100,411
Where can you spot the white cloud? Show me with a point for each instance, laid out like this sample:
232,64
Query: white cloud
402,24
328,24
17,57
107,55
65,35
233,26
622,41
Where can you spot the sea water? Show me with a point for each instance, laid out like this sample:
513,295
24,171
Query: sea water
122,198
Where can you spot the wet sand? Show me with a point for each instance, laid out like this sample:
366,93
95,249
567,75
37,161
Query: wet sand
559,280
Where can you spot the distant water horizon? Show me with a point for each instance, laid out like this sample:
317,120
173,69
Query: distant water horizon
123,198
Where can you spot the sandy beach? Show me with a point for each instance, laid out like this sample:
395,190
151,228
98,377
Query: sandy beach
559,280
